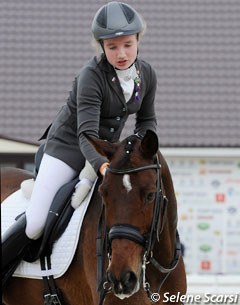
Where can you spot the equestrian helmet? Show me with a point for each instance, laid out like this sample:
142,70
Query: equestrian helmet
116,19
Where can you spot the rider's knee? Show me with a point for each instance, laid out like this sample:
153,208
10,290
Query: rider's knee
34,228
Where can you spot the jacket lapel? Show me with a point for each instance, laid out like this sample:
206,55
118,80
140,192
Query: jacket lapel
112,79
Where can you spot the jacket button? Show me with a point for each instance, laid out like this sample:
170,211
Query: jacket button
112,129
118,118
124,109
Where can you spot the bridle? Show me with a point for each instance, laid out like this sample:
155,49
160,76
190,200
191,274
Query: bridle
129,232
126,231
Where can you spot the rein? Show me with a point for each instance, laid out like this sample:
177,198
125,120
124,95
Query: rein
133,170
132,233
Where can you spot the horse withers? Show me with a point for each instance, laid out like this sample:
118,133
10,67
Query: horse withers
137,257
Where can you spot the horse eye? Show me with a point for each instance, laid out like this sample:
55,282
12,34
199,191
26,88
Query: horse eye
149,197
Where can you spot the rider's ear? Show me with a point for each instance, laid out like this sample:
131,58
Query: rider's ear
103,147
149,144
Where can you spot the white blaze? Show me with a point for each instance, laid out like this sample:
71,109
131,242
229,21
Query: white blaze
127,182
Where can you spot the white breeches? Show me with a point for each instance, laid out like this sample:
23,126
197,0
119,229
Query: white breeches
53,174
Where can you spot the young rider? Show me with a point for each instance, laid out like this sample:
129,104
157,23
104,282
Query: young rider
107,90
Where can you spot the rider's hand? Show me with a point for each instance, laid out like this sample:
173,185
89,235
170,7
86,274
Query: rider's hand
103,168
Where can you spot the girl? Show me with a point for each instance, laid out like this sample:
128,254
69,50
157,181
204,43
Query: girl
107,90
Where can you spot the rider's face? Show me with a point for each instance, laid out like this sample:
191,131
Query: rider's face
121,52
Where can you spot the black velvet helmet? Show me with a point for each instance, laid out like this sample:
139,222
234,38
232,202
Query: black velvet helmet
116,19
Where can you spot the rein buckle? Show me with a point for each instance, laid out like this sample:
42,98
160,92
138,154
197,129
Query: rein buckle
51,299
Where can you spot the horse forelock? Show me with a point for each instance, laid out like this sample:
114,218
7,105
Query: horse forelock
127,153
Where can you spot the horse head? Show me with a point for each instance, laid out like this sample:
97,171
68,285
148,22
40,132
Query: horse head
129,191
138,225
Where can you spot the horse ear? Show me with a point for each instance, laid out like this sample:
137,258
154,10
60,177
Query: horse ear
103,147
149,144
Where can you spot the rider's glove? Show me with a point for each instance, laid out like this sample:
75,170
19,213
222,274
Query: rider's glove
87,177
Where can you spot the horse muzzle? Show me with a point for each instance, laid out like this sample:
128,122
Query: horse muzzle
125,286
126,245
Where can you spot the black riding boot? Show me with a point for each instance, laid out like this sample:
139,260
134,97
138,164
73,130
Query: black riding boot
14,242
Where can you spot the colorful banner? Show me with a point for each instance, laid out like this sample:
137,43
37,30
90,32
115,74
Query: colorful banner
208,195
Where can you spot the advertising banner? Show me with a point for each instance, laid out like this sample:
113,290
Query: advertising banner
208,195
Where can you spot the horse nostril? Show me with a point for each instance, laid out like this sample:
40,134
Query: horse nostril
111,278
129,280
125,285
115,284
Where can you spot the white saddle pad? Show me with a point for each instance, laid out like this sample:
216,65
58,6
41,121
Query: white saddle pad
64,248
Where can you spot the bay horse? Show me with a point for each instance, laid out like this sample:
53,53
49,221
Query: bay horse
133,214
